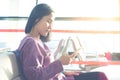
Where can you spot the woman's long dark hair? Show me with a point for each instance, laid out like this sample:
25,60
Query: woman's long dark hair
38,12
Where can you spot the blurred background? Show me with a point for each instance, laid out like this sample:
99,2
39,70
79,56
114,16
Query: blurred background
95,22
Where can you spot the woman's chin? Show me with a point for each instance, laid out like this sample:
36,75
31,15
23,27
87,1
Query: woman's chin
44,35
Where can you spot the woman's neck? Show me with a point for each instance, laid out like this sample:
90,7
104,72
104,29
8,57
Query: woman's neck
37,37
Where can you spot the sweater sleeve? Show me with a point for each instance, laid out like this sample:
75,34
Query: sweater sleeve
32,63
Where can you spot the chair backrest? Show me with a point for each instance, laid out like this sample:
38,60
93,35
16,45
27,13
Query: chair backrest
9,69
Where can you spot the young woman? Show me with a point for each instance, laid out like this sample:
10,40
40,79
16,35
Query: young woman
35,57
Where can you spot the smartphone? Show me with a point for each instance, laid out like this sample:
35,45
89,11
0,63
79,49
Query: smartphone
70,53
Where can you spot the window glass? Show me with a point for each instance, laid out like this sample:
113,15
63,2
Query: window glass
91,18
16,7
85,8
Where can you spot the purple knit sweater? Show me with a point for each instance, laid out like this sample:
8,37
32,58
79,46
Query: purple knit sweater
36,62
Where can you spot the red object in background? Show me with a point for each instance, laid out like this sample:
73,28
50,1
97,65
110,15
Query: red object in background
108,55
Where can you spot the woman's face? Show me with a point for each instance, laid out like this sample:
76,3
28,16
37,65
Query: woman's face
43,27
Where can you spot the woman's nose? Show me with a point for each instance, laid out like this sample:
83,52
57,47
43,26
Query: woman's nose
50,26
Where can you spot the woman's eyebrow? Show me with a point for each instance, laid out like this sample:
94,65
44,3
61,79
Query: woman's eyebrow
51,20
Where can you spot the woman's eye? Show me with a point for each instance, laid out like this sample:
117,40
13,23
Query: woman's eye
49,21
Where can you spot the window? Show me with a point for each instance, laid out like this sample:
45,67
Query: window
93,20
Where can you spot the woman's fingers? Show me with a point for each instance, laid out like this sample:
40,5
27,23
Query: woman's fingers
71,73
66,58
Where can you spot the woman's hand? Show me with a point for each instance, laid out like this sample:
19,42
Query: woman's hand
66,58
71,73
